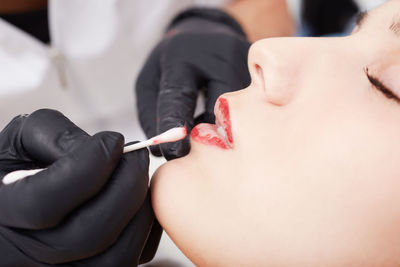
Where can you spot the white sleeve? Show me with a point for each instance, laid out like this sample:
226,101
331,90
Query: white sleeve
211,3
368,4
24,60
295,10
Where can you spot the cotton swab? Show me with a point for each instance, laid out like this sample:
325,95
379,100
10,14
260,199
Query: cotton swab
172,135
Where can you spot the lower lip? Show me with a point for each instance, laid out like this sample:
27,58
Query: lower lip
207,134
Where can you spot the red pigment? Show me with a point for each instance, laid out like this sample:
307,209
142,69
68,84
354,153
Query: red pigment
207,134
156,142
224,108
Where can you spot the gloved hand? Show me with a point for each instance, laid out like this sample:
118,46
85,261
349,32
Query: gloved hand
202,49
90,207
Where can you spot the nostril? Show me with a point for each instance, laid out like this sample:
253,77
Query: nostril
260,75
259,70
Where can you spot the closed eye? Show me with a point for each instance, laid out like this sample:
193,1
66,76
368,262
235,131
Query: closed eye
380,86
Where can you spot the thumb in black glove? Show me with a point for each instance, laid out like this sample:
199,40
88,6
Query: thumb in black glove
204,49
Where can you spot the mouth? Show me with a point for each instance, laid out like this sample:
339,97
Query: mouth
218,134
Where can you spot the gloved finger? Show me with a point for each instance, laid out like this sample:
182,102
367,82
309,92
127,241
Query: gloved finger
228,77
12,153
176,105
214,91
205,117
152,243
231,75
127,249
96,225
147,88
12,256
48,135
34,141
44,199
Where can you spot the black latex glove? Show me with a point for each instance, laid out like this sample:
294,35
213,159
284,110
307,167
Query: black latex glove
203,49
90,207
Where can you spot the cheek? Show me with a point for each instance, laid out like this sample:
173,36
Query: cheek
356,155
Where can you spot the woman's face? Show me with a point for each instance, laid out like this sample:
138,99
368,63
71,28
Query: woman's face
312,177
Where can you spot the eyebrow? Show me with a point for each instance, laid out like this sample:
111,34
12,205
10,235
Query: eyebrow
394,26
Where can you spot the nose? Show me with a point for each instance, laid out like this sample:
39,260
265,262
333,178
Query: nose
275,66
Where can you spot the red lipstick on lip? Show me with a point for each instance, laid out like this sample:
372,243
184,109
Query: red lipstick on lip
208,134
225,120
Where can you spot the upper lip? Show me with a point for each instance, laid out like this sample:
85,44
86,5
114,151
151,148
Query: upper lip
222,119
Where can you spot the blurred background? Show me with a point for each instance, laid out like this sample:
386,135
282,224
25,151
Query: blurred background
83,57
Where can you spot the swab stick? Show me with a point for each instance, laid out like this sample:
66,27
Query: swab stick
172,135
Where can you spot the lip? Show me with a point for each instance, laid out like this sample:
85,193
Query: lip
223,118
218,134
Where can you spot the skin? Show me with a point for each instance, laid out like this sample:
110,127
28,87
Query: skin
262,19
20,6
314,176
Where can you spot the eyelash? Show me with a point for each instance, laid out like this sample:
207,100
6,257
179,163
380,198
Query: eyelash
380,86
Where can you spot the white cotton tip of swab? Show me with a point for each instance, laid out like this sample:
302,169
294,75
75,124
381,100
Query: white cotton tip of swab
172,135
14,176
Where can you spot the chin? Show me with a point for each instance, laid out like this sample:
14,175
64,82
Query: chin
176,194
